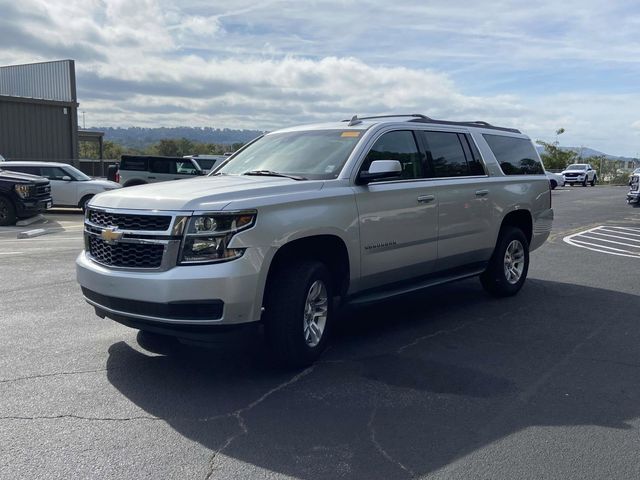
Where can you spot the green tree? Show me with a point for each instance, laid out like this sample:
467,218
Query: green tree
553,157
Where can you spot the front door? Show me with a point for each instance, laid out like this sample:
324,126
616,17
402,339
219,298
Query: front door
398,219
63,192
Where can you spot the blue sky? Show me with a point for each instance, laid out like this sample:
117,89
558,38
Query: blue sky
537,66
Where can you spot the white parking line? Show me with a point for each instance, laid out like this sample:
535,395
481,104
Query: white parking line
593,239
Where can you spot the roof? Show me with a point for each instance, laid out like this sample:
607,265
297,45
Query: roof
27,163
363,123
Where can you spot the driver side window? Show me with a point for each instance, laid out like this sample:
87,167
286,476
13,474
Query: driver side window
53,173
400,145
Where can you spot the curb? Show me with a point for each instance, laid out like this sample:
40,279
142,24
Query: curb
38,232
31,220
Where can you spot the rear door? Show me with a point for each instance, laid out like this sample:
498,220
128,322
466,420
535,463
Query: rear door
464,197
398,218
161,170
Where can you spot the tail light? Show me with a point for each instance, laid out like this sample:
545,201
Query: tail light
118,176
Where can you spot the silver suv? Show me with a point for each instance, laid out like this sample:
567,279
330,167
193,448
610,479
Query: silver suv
304,219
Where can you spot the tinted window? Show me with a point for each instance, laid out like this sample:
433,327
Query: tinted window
162,165
129,163
516,156
53,173
447,154
476,166
399,146
21,169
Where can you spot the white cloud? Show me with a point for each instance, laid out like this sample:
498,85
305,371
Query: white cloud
270,64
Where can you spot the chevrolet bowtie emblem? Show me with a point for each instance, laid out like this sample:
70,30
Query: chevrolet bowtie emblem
110,235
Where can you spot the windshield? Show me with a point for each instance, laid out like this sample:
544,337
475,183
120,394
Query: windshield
76,174
577,166
316,154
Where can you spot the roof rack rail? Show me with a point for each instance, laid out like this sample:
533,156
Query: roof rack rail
419,118
416,115
474,123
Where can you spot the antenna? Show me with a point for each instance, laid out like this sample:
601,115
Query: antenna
354,121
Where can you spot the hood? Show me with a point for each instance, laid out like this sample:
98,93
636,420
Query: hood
575,170
21,177
203,193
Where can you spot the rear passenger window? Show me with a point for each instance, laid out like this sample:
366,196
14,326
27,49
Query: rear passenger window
401,146
138,164
162,165
52,173
447,154
516,156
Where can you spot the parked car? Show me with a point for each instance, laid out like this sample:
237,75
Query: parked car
22,196
307,218
208,162
555,179
581,173
69,186
141,169
634,187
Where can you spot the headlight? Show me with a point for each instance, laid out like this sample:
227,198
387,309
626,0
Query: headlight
24,191
207,237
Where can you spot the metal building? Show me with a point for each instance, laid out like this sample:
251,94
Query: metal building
39,111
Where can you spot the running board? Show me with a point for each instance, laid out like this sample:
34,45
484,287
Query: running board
395,290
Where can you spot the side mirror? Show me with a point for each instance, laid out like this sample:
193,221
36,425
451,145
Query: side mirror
66,178
380,170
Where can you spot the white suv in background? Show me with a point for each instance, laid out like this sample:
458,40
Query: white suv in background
307,217
69,186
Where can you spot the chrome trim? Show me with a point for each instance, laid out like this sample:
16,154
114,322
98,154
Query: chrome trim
153,319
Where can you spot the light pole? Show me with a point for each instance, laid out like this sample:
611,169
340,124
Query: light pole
84,124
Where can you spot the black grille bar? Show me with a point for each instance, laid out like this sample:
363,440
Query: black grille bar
131,255
126,221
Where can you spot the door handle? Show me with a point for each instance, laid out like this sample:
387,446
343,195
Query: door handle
426,198
482,193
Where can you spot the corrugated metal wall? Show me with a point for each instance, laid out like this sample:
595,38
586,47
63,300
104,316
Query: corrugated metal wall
36,131
46,81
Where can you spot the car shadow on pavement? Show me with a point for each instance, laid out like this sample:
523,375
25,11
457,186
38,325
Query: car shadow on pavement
409,386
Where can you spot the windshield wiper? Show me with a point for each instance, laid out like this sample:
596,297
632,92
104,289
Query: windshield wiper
271,173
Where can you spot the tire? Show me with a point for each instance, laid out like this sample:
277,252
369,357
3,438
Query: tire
286,316
7,212
584,182
554,184
593,181
83,202
495,278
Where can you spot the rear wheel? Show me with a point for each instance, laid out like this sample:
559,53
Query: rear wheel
298,312
554,184
509,264
7,212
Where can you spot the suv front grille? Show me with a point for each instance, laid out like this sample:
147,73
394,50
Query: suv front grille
126,221
128,255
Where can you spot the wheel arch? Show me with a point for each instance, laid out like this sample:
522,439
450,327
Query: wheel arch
522,219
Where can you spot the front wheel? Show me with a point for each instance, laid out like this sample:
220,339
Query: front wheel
298,312
593,181
83,202
509,264
7,212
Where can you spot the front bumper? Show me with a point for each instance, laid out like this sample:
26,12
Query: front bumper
30,207
633,197
191,296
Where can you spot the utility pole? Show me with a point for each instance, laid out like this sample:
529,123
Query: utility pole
84,124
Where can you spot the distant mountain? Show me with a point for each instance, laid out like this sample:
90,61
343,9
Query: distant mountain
586,152
138,137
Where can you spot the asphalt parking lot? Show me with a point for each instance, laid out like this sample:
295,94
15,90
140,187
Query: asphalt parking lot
447,383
